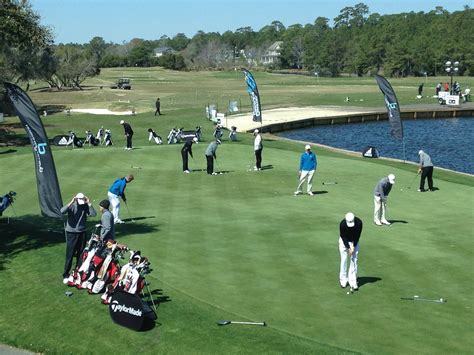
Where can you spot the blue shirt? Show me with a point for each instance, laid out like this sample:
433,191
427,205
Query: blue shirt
118,187
308,161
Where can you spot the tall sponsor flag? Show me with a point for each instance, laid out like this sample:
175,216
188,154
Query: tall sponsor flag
392,106
46,179
254,95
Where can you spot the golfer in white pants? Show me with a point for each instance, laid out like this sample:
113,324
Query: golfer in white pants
350,230
308,164
381,191
117,191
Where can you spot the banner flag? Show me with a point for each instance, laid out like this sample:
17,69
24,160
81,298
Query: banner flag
254,95
392,106
46,179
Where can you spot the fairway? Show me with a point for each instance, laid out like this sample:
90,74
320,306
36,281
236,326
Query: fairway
240,246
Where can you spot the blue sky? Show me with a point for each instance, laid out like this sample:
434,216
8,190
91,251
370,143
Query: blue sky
117,21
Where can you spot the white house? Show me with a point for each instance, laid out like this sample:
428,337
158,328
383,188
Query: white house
163,50
272,54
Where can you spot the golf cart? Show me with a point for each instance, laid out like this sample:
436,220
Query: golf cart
122,83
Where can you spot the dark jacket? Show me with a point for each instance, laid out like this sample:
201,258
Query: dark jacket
350,234
128,129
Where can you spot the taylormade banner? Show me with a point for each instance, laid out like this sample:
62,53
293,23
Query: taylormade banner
46,179
392,106
254,95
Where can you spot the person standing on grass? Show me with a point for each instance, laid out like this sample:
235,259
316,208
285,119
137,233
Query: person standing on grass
158,106
187,149
107,230
308,165
350,230
426,170
258,147
77,210
128,134
381,191
211,155
117,191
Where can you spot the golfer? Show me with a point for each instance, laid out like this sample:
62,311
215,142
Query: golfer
187,149
128,134
257,147
77,210
308,164
116,191
107,230
381,191
158,106
426,170
211,155
350,229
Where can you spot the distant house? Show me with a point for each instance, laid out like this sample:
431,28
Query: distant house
163,50
272,54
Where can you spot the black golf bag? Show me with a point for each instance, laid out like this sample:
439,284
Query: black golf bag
218,132
6,200
74,141
90,139
172,136
198,133
233,133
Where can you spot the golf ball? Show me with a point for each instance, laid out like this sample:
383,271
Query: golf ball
347,293
441,299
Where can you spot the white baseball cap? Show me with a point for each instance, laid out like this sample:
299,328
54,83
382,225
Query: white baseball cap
307,147
80,198
122,122
391,179
195,140
350,219
420,152
255,131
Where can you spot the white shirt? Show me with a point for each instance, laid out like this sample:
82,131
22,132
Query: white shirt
257,144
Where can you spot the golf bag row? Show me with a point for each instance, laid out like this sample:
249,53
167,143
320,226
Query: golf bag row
6,200
101,270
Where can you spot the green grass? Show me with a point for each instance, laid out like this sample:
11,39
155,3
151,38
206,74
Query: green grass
240,246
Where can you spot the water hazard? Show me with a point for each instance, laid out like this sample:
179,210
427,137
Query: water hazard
449,141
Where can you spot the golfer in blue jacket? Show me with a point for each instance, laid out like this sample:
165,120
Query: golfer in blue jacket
116,191
308,164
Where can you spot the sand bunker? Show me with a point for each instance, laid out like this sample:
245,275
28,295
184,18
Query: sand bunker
102,111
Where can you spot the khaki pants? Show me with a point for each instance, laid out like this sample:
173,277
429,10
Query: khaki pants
380,207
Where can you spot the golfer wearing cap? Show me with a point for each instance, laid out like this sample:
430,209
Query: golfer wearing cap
426,170
117,190
257,147
78,209
128,134
187,149
211,155
107,230
308,164
350,230
381,191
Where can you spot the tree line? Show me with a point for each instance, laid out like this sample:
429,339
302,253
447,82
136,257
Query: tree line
358,43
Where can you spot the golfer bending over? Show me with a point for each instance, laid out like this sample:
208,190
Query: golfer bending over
381,191
308,164
350,229
116,191
211,155
187,149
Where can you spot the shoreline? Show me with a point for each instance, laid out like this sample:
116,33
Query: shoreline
284,119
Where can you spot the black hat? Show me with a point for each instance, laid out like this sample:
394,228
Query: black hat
104,204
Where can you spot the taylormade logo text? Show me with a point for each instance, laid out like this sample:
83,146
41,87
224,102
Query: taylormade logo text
121,308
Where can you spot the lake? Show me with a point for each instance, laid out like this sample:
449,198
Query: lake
448,141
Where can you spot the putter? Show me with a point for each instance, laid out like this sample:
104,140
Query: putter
226,322
330,183
128,210
417,298
412,181
151,296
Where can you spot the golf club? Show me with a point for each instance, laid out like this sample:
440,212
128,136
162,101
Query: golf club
412,181
226,322
330,183
151,296
417,298
136,167
128,209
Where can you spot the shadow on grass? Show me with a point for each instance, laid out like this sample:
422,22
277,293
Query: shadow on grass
367,280
8,151
32,232
267,167
398,221
320,192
